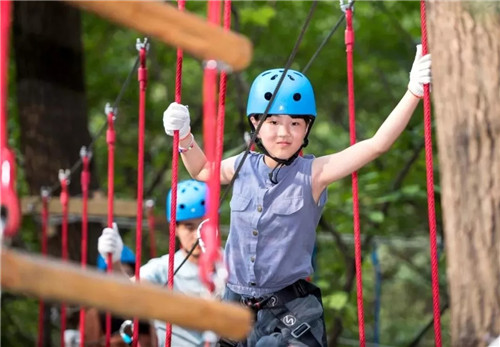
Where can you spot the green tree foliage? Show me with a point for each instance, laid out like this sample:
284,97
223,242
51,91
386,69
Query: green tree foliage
392,189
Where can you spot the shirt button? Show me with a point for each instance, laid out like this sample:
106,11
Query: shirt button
253,283
259,208
255,233
252,259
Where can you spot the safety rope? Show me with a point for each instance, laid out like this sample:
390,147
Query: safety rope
44,194
142,76
212,254
9,202
150,215
323,43
349,42
84,182
110,140
64,179
430,190
181,5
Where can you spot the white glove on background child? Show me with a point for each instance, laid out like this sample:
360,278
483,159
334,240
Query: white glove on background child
176,117
420,73
110,242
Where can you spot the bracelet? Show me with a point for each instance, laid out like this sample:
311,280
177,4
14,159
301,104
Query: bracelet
190,146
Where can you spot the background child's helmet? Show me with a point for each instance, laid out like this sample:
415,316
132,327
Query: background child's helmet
295,95
127,257
191,200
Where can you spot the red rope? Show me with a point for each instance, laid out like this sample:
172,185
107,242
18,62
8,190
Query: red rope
181,5
143,80
45,222
8,195
430,191
212,242
110,139
84,182
151,228
64,198
4,64
349,41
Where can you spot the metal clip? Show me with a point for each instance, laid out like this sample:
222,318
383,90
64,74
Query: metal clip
108,108
140,45
84,152
127,331
344,5
64,175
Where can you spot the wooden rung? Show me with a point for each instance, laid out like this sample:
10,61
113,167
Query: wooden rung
97,206
177,28
65,282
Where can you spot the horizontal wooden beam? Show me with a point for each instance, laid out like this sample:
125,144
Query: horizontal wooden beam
97,206
180,29
65,282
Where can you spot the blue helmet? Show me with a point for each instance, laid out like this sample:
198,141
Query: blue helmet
295,95
127,257
191,200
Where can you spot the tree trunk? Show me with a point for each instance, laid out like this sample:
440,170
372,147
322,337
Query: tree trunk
52,106
465,44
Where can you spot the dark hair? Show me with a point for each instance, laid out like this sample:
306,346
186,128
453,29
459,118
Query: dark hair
307,118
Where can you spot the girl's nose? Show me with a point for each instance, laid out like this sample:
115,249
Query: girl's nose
283,130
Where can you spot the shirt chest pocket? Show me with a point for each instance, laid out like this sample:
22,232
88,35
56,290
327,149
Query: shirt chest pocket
239,203
287,206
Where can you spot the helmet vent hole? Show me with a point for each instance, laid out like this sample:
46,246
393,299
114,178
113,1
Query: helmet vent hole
274,77
266,73
202,202
297,96
268,96
182,206
290,77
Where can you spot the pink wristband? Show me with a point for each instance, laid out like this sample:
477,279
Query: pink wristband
190,146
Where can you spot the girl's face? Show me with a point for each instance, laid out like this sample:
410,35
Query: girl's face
282,135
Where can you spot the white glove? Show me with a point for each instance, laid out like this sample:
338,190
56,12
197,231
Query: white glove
110,242
420,73
176,117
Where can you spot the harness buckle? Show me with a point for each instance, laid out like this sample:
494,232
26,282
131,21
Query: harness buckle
300,330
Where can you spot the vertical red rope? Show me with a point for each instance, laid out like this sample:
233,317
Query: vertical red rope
45,222
8,195
151,228
143,79
349,41
110,139
4,64
181,5
430,191
84,182
64,198
212,253
221,111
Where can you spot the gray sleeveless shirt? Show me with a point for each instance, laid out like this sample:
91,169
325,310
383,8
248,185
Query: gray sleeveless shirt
273,226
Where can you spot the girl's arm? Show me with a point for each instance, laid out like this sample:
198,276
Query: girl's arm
176,118
333,167
197,165
330,168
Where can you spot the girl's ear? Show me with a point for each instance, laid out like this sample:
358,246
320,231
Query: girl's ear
254,121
